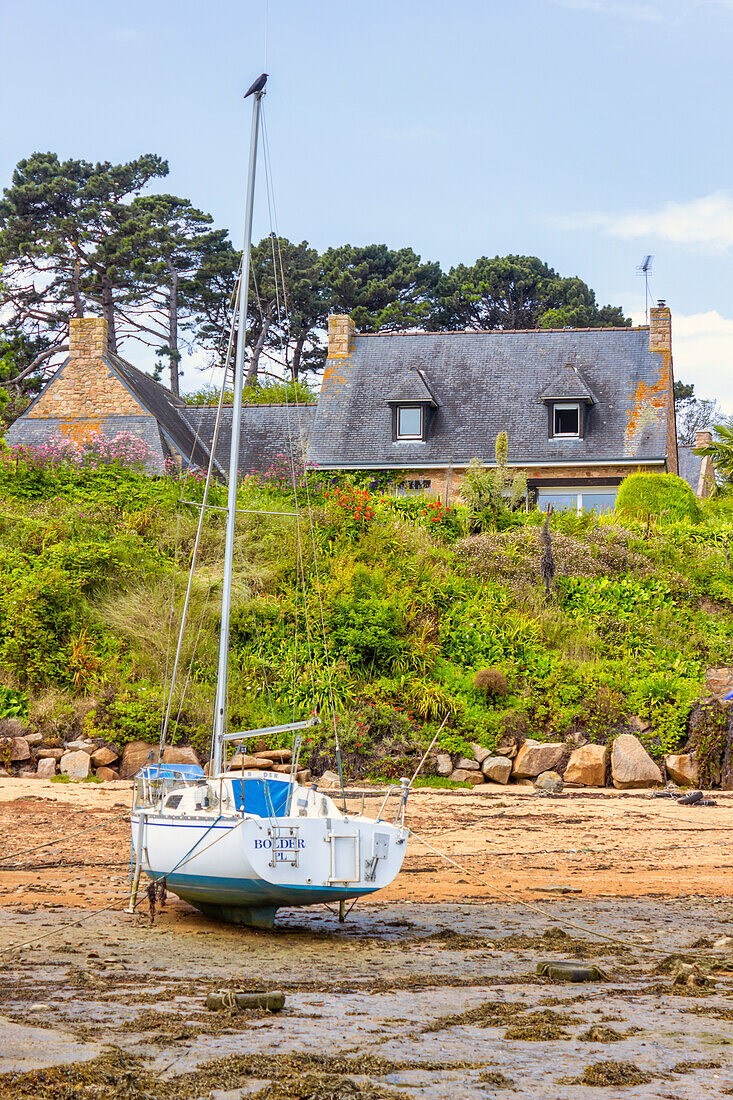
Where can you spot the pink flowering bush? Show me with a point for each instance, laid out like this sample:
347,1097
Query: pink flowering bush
124,449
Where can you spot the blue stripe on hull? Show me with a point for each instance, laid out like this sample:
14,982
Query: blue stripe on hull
253,892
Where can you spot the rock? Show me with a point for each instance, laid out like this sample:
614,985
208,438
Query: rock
631,765
14,750
76,765
549,781
102,758
586,767
536,757
497,769
443,764
329,781
723,944
467,775
82,745
179,754
4,773
641,725
245,762
683,769
34,738
46,768
107,774
466,765
719,681
278,756
135,756
480,753
506,747
304,776
524,782
284,769
50,754
27,771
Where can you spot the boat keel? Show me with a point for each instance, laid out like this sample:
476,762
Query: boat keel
259,916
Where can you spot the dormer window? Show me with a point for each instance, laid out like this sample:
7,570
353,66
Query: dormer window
566,419
569,400
413,405
410,420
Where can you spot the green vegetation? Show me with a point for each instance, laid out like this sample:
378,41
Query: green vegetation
662,496
423,618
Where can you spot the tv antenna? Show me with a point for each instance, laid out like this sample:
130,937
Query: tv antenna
645,269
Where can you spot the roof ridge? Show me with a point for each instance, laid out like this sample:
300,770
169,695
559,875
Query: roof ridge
502,331
148,377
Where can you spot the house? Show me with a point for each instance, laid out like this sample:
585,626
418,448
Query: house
582,408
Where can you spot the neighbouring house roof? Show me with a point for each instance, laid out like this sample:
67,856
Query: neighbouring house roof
491,382
267,432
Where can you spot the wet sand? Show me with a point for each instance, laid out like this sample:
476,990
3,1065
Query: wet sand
425,990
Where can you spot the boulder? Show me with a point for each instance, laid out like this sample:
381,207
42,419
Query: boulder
240,761
50,754
76,765
278,756
631,765
82,745
11,727
179,754
27,772
107,774
102,758
639,725
284,769
14,750
304,776
329,781
683,769
34,738
719,681
467,775
480,753
46,768
466,765
506,747
586,767
497,769
135,756
443,764
549,781
536,757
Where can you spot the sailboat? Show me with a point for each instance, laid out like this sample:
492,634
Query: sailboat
238,843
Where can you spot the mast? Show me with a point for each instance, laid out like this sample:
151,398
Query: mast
257,91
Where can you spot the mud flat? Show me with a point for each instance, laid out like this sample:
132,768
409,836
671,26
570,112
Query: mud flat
431,990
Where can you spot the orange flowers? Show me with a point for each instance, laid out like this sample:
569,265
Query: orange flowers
356,504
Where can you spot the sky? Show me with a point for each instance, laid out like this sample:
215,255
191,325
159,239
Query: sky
586,132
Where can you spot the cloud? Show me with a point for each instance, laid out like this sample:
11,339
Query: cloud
705,222
702,345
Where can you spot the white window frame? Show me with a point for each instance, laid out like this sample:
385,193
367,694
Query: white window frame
564,406
421,434
577,491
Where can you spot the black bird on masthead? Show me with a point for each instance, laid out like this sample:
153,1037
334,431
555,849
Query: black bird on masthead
258,85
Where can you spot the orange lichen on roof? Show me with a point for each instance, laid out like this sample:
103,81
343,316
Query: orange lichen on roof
332,382
649,401
80,431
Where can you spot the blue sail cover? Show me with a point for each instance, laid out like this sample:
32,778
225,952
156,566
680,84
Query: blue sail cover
264,797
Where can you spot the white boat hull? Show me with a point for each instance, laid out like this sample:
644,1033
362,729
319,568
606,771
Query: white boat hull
243,868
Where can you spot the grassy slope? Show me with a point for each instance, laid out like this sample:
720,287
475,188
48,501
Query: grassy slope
412,610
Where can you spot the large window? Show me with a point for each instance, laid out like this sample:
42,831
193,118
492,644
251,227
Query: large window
409,422
566,419
601,500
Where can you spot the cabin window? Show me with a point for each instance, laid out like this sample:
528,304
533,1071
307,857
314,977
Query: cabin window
173,801
566,419
409,422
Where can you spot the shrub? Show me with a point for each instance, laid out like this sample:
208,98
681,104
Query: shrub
647,496
491,681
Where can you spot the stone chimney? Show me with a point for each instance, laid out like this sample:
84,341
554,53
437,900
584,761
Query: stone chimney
660,341
341,332
703,438
87,337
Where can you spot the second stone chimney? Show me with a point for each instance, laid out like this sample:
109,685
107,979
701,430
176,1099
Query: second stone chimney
660,342
87,337
660,327
341,332
703,438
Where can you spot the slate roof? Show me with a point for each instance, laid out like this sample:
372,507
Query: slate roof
413,387
267,431
689,466
489,382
